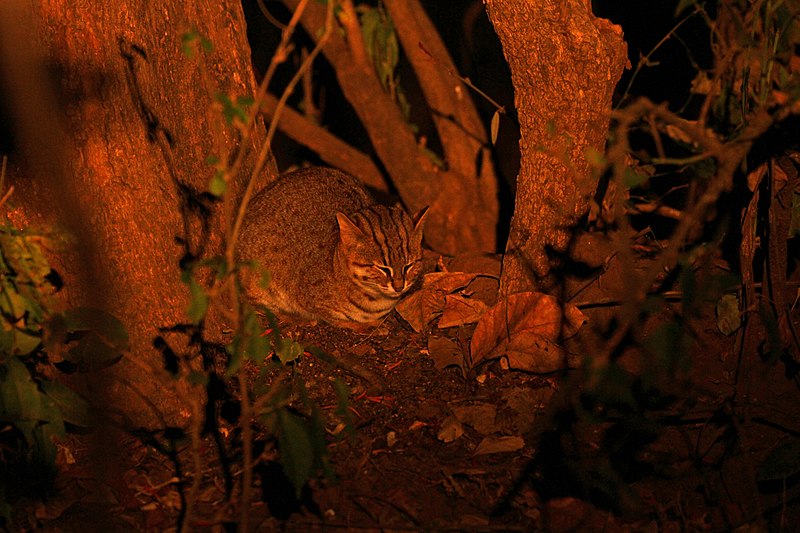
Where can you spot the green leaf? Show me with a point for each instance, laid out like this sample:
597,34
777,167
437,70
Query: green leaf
258,344
198,305
187,41
105,325
632,179
25,343
12,304
198,378
29,410
20,398
288,350
296,453
92,353
728,317
682,5
495,126
319,444
235,359
231,110
217,186
245,102
614,387
265,280
74,409
207,45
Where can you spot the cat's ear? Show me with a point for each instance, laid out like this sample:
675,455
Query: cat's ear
419,220
348,231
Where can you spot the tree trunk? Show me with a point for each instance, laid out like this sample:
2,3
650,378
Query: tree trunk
122,161
564,65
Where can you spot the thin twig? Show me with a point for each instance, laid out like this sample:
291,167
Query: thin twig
645,59
466,81
245,402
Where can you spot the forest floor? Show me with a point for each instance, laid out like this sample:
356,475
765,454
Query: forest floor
433,450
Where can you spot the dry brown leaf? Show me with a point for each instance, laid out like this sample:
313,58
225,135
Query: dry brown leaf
488,264
754,178
499,445
533,353
450,430
459,310
424,305
525,328
445,352
480,417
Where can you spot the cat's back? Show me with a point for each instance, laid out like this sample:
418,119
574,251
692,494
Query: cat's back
298,211
307,193
290,229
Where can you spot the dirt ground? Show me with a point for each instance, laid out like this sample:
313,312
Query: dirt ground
435,451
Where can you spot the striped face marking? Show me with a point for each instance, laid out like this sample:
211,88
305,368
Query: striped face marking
382,248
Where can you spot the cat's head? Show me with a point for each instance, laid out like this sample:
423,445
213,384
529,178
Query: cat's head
382,248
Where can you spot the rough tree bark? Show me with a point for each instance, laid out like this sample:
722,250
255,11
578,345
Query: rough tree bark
564,64
121,162
463,197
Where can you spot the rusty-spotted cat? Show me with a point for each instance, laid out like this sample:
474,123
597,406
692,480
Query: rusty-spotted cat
334,253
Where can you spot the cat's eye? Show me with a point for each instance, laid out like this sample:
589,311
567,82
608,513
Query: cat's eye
408,267
387,271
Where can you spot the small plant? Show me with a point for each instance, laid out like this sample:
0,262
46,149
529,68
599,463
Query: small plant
246,382
36,344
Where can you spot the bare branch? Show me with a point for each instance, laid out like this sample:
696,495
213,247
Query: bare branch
355,41
458,124
329,147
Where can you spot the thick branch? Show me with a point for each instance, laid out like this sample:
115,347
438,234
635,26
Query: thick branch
392,138
457,121
329,147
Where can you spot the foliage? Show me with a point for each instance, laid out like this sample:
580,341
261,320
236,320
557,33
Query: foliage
720,174
380,42
246,381
35,343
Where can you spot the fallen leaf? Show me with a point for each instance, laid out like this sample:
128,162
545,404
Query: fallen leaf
483,288
447,281
445,352
499,445
423,306
488,264
525,328
729,318
451,430
532,353
459,310
480,417
525,405
754,178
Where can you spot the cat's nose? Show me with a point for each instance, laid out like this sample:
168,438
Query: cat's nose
398,284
